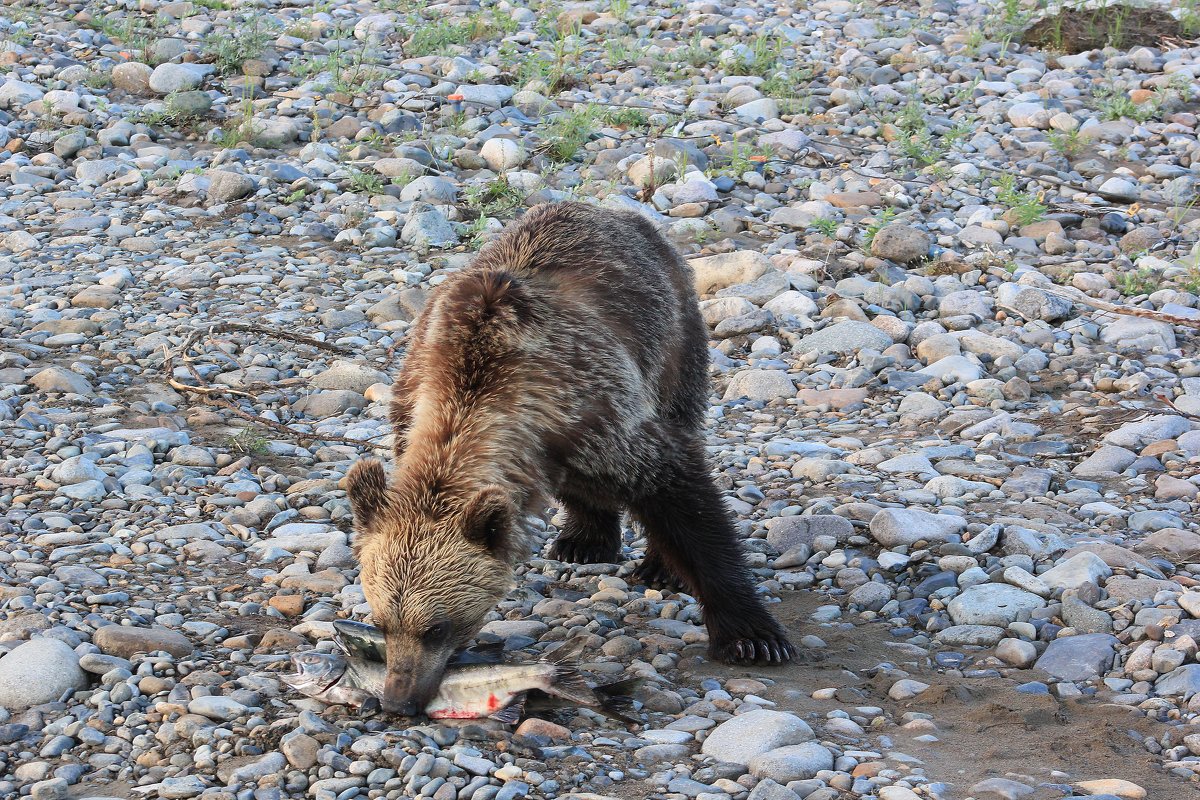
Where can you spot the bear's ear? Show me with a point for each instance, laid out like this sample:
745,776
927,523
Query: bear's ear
488,520
367,488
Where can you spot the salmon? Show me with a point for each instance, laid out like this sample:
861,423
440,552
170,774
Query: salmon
356,677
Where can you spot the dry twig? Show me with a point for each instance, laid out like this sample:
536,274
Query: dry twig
212,395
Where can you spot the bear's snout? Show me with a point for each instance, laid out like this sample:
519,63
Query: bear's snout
407,690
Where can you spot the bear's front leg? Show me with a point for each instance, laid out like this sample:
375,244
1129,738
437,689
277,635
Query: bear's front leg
693,537
590,536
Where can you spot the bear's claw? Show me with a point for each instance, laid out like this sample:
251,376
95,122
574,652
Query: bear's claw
579,551
759,649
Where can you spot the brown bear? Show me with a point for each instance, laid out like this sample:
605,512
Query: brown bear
568,361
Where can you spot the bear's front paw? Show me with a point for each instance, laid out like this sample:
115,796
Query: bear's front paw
582,551
755,648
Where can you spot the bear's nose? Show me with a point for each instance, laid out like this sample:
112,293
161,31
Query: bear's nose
405,708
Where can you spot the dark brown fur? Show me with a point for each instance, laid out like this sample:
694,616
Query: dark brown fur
570,360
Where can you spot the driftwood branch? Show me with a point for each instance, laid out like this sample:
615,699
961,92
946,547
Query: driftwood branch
1077,296
219,395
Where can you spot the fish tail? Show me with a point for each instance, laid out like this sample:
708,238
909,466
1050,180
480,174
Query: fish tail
567,682
616,699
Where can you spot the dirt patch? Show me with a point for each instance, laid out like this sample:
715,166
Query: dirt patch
1077,30
985,728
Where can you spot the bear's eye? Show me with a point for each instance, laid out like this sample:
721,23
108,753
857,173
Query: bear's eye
437,632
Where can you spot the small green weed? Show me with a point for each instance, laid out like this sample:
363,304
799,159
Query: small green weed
173,112
825,225
760,61
738,160
1026,206
1138,282
246,441
695,53
248,41
1191,281
494,198
877,224
365,182
1067,143
567,133
1114,104
627,118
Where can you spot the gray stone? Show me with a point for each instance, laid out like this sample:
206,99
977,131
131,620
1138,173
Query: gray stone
1032,303
784,533
958,636
217,707
225,186
1181,682
132,77
502,154
726,269
1078,569
993,604
766,789
1106,461
901,243
1136,435
38,671
966,302
429,229
740,739
1029,115
844,337
76,469
181,787
488,96
330,403
57,379
761,109
16,94
792,763
1079,658
1000,789
126,641
1138,333
169,78
1083,617
430,189
871,595
894,527
760,384
1017,653
1119,189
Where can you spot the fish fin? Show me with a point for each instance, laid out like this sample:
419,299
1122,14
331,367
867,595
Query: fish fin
568,683
616,699
623,688
510,713
482,653
359,640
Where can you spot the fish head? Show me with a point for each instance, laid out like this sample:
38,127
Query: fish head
315,672
433,566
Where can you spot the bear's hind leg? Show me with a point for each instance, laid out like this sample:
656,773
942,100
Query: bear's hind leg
654,573
590,536
691,532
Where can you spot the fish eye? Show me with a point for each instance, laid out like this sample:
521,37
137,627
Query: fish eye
436,632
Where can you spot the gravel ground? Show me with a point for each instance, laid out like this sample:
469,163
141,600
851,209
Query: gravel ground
952,286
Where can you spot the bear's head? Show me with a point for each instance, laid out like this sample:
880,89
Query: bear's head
434,563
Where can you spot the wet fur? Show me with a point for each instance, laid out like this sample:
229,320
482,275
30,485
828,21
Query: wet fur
569,361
